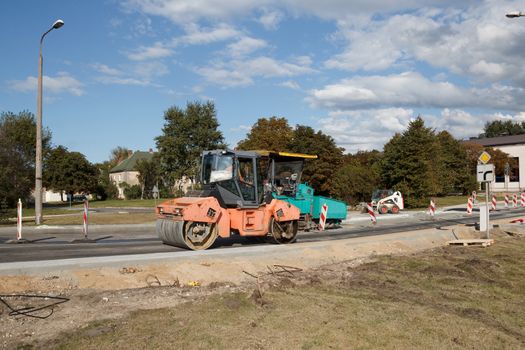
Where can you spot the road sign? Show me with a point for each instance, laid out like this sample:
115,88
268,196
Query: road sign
484,157
485,172
155,191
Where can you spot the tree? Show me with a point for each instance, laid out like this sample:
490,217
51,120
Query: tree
455,174
17,155
319,173
273,134
148,175
105,187
70,172
358,177
410,165
118,155
186,133
503,128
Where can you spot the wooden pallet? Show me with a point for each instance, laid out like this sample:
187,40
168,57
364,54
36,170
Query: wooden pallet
468,242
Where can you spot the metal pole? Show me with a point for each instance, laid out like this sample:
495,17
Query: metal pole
487,185
38,160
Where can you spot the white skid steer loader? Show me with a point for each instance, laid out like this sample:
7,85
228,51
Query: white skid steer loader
387,201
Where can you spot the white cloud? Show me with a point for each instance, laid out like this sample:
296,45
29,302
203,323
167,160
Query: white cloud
245,46
271,19
290,84
242,72
196,35
241,128
372,128
411,89
158,50
140,74
63,83
104,69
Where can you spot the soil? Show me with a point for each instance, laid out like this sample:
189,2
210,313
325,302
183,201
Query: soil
94,312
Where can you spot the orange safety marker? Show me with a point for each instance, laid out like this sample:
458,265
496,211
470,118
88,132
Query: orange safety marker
370,210
469,205
432,208
86,209
514,200
506,201
322,218
494,202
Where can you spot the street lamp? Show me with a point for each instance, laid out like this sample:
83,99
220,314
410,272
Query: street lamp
515,14
38,163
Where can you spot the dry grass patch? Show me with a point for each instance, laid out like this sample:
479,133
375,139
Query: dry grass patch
452,297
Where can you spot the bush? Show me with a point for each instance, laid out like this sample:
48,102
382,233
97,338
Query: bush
5,212
133,192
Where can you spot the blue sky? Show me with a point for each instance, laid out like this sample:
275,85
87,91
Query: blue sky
357,70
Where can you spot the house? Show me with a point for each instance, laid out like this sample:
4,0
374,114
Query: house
514,146
125,171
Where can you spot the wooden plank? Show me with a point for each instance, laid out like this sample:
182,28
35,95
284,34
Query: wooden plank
467,242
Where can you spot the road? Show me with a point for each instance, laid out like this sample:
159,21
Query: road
56,243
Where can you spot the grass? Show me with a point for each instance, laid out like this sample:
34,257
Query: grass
454,297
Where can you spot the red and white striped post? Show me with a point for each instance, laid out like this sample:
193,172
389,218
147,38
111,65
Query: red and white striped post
523,199
19,220
322,218
370,210
469,205
432,208
514,200
494,202
86,209
506,201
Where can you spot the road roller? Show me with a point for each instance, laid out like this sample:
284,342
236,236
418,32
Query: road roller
235,199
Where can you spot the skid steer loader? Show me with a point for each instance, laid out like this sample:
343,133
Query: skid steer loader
387,201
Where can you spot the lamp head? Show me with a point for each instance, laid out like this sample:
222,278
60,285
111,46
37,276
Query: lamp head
513,14
58,23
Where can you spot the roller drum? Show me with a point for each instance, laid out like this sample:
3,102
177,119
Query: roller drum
171,232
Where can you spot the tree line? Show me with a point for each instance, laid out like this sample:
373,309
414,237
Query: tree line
420,162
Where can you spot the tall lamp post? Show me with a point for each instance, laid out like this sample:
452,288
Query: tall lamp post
38,162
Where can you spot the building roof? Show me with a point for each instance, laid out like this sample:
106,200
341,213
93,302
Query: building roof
129,164
500,140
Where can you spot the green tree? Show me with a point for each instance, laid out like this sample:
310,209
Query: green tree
410,165
186,133
358,177
273,134
148,175
455,173
503,128
118,155
17,155
70,172
319,173
105,187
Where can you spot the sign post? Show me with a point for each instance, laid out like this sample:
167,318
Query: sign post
485,174
155,192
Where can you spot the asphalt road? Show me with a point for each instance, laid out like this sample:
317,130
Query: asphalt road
56,243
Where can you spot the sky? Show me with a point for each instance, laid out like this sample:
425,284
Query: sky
358,70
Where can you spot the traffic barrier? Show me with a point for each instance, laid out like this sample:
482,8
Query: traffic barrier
516,221
523,199
514,200
370,210
322,218
506,201
86,209
19,220
469,205
432,208
494,202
